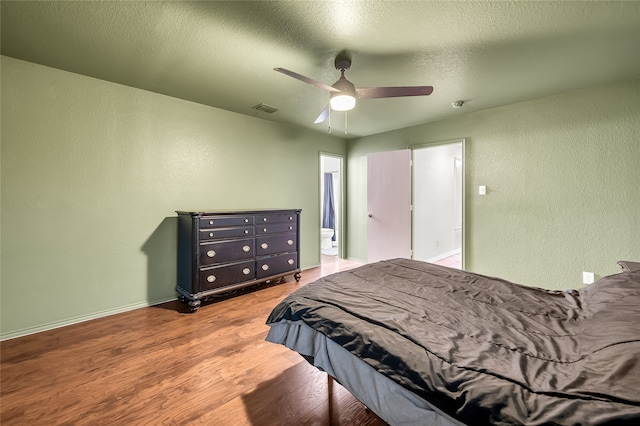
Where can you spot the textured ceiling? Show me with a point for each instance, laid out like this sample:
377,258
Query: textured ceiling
222,54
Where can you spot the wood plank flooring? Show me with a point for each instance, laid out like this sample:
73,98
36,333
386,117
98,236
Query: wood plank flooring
164,366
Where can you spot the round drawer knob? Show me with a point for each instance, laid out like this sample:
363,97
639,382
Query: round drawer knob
290,261
211,253
290,242
264,229
290,218
211,222
265,267
246,271
291,227
211,278
246,221
211,234
246,249
246,231
264,246
264,219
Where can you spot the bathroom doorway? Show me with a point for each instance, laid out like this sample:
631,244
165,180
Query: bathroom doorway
331,207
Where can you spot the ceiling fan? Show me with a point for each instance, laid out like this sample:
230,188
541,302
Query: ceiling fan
343,93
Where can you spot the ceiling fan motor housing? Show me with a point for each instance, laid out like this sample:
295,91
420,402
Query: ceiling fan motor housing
344,86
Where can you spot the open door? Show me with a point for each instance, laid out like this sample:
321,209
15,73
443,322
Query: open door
389,205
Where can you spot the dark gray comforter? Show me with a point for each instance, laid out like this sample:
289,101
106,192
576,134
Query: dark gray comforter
484,350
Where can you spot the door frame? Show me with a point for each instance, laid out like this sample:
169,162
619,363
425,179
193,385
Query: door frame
341,208
462,141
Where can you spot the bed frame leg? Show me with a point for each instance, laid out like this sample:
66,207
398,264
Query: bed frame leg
330,398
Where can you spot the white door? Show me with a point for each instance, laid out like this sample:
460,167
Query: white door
389,205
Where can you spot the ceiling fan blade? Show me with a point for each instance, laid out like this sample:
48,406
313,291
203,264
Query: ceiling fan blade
308,80
393,92
323,116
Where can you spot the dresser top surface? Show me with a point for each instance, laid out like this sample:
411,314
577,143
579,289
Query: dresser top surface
233,212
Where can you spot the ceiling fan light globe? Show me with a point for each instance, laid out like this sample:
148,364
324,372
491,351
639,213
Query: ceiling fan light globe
342,102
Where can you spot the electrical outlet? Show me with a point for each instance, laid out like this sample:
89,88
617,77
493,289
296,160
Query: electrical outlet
588,278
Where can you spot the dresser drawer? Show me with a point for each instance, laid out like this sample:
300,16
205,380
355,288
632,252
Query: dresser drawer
275,228
225,251
224,221
217,233
225,275
275,244
273,265
276,218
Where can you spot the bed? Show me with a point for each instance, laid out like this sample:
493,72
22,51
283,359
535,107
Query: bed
421,344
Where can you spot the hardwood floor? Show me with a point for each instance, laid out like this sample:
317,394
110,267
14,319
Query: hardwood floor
162,365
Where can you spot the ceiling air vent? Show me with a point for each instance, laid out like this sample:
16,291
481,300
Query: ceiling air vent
265,108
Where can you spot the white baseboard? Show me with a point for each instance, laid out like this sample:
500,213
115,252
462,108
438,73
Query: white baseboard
79,319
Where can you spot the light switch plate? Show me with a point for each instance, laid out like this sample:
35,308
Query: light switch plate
588,278
482,190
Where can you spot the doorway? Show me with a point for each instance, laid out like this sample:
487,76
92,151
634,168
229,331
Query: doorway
415,201
438,195
331,207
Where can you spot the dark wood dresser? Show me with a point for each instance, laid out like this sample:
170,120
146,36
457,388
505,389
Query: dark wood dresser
221,251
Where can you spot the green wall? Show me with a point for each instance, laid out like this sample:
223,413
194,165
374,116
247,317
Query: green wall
92,173
563,180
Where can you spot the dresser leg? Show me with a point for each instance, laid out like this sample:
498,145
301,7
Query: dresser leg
297,276
194,305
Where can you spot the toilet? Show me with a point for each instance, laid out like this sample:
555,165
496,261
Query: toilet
325,238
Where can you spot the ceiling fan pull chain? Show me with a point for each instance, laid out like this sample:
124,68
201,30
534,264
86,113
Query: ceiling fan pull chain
329,120
346,125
